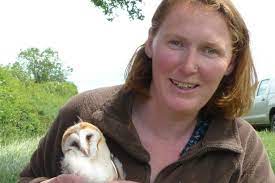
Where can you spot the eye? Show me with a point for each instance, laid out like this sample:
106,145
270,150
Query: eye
88,137
211,51
75,144
175,44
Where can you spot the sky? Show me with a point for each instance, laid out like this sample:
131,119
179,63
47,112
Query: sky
99,50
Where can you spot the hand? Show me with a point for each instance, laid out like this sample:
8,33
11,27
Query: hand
66,178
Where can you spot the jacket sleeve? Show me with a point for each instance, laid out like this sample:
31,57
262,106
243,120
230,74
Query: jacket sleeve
256,164
44,162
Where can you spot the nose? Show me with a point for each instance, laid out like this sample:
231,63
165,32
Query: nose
189,61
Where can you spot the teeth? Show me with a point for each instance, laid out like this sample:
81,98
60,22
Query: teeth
183,85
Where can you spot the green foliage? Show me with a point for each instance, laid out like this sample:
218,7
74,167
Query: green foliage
131,6
268,139
27,108
18,72
41,66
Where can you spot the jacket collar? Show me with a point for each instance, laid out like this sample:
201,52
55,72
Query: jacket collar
114,119
223,134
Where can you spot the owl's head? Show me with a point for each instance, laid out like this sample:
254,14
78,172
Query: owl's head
82,139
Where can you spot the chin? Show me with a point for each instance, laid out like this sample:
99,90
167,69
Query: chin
183,106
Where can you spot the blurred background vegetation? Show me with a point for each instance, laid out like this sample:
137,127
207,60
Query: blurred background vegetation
31,91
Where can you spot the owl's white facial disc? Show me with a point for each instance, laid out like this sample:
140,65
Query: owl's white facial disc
89,139
71,144
82,139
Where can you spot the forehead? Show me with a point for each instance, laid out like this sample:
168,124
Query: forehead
196,18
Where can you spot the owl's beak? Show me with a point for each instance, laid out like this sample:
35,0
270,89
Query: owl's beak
84,151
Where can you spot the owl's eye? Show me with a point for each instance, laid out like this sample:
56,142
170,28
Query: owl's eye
75,144
88,137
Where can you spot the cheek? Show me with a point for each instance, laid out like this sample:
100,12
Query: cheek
164,61
213,72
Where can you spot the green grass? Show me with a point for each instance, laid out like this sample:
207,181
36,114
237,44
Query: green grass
269,142
14,156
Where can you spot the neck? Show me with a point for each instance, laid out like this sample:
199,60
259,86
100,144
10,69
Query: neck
161,122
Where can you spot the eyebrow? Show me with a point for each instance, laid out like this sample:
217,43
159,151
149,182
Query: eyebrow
215,45
210,43
175,36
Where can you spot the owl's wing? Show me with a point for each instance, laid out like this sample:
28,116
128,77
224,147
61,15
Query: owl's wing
118,167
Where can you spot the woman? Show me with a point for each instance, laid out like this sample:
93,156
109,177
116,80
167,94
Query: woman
176,117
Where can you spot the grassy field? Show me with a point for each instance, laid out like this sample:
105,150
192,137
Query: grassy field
14,156
269,142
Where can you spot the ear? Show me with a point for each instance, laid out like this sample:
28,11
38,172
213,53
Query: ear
148,44
231,66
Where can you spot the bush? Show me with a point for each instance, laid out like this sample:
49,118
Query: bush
28,108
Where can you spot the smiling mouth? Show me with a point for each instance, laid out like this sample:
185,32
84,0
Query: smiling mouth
183,85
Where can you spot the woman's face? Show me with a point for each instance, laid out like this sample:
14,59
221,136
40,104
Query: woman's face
191,52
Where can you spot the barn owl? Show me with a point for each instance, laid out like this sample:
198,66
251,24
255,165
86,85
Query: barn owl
87,154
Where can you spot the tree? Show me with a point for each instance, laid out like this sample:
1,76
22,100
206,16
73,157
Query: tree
42,66
18,72
131,6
